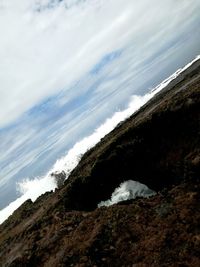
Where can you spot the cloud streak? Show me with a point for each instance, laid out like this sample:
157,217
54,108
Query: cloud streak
44,51
67,66
32,189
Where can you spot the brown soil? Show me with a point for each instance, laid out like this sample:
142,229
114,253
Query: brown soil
158,146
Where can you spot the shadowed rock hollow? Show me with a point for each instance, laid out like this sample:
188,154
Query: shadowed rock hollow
158,146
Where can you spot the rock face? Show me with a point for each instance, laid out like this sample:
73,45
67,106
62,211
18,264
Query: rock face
158,146
160,231
59,178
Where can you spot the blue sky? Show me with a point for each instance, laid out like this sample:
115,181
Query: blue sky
66,66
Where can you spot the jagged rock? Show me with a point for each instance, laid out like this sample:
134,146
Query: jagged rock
158,146
60,178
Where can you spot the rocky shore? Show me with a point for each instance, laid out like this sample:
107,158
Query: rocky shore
158,146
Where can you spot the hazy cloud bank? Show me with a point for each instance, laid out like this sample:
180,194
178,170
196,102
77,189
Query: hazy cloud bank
67,66
32,189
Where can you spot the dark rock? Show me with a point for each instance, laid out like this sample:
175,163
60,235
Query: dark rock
159,146
59,178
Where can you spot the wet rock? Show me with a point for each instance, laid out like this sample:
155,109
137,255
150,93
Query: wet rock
158,146
60,178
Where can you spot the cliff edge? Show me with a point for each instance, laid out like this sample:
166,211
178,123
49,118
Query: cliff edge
158,146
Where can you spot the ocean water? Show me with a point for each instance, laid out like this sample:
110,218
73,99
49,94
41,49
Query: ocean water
33,188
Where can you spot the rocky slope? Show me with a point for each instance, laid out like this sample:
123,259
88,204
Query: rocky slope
158,146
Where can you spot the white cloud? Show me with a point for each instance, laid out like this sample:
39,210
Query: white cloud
33,188
52,53
44,52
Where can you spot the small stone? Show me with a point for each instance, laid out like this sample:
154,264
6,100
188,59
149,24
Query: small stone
70,228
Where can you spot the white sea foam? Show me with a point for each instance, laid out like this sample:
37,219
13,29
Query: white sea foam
32,189
126,191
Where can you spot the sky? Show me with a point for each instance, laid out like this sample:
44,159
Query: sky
67,66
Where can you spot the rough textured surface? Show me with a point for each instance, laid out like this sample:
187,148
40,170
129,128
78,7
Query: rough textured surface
160,231
158,146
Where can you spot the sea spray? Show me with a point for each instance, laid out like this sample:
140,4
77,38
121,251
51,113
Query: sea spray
32,189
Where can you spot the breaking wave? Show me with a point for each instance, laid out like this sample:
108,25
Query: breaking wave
32,189
126,191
